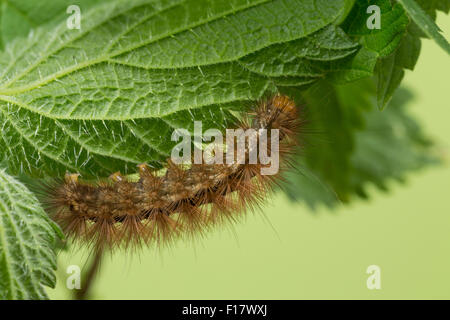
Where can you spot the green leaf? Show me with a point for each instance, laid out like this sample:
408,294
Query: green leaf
390,70
306,57
27,259
357,145
19,17
386,52
393,26
347,9
359,66
333,114
108,96
425,23
407,54
431,6
389,76
376,43
392,145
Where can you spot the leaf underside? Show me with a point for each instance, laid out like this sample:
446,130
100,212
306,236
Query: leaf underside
27,259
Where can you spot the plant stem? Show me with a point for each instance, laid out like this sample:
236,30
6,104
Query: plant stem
89,276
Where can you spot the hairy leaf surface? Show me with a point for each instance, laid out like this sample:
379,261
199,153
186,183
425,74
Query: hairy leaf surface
27,259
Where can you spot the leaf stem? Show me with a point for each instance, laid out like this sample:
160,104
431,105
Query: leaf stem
89,277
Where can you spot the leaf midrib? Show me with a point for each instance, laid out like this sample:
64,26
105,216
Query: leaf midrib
13,100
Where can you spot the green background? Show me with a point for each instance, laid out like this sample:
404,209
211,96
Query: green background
289,252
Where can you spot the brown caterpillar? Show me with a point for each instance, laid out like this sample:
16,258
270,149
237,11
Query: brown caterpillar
183,201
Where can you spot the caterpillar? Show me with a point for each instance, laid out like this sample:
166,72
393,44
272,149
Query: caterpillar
185,201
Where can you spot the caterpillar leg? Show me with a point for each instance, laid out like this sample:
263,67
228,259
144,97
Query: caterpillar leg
143,168
71,177
116,176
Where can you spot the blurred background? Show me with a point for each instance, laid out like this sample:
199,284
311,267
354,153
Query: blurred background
291,252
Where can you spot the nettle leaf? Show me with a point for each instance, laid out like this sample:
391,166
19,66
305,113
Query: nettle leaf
392,145
394,48
358,66
425,23
389,76
390,70
388,51
19,17
27,259
431,6
376,43
347,9
306,57
356,146
334,113
393,26
107,97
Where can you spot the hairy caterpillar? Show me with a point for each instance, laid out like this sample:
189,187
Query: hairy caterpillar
185,201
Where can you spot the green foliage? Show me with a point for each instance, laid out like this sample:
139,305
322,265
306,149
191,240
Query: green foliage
107,97
355,144
19,17
424,22
92,100
432,6
27,236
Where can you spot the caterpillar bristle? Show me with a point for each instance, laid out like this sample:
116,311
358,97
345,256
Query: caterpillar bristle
185,202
